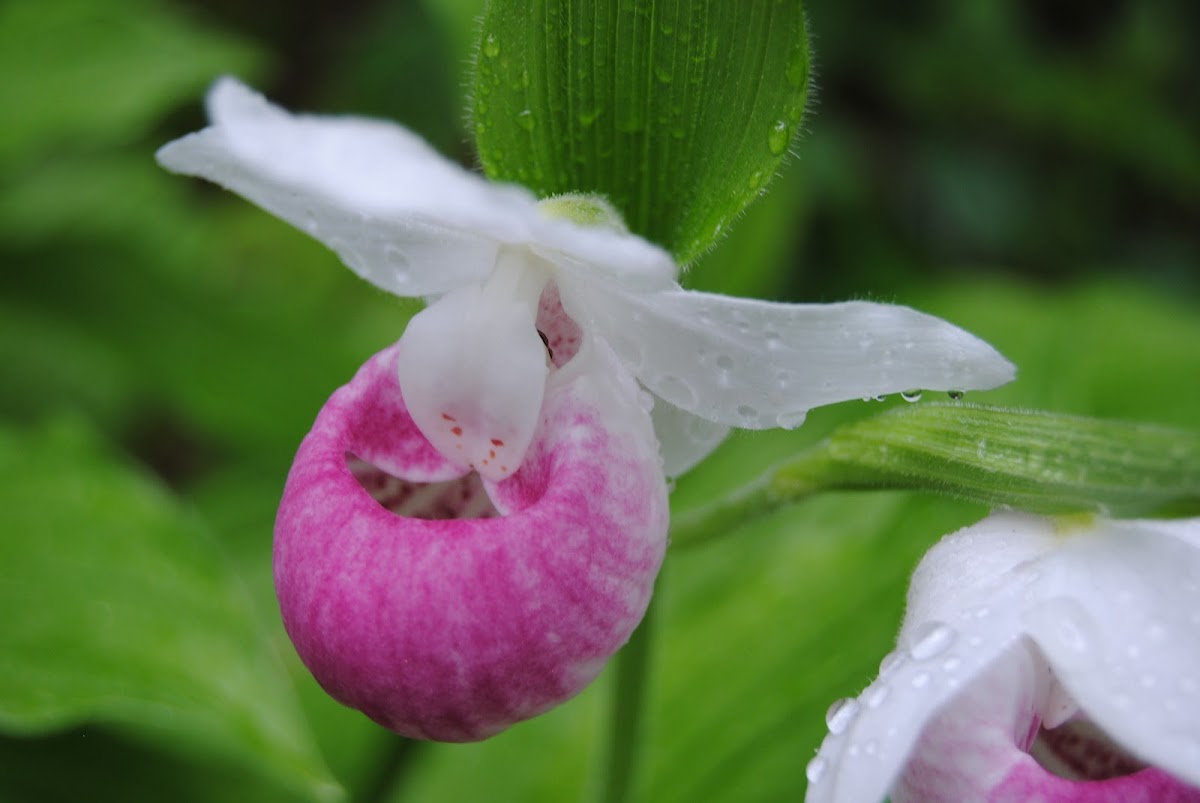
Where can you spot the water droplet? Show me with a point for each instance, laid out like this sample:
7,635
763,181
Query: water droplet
815,770
951,664
881,397
587,118
875,694
955,395
756,179
725,362
663,75
890,662
841,714
525,119
911,395
677,391
491,46
778,137
396,260
931,640
920,680
746,411
870,747
791,420
629,350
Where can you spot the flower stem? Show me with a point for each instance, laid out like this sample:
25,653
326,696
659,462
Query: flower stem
625,731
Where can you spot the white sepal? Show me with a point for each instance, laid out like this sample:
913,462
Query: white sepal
756,364
395,211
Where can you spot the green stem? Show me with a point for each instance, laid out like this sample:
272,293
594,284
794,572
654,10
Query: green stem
780,486
383,782
629,696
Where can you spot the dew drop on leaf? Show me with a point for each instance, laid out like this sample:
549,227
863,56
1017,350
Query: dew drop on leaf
778,137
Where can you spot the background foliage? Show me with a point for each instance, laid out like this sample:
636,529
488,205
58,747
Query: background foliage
1025,169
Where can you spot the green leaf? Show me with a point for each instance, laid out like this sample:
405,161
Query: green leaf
121,611
678,111
100,71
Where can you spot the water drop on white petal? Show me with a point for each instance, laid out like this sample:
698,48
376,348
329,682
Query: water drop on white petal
790,420
890,662
920,680
815,770
931,639
841,714
677,391
876,694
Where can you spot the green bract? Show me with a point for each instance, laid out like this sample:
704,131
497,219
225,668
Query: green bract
678,111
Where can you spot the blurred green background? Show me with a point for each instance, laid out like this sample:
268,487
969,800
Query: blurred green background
1029,170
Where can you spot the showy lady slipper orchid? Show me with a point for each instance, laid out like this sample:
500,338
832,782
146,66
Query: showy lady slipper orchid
493,260
1039,659
475,522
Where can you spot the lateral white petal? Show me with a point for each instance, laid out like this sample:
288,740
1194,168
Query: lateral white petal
756,364
1119,623
473,371
685,439
393,209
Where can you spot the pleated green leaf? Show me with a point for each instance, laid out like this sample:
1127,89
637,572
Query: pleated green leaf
678,111
120,611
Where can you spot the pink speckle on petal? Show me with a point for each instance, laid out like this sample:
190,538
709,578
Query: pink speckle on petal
441,628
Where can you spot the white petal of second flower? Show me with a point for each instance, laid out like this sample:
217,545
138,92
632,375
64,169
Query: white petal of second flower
936,659
1119,622
397,212
756,364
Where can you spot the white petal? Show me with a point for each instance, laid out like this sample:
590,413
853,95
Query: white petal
964,568
622,258
756,364
935,661
978,739
1119,623
685,439
393,209
473,375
